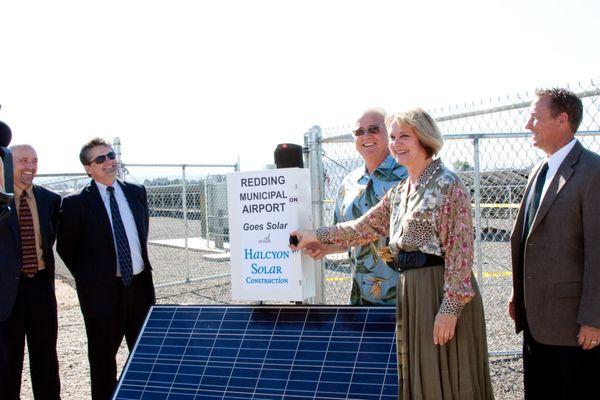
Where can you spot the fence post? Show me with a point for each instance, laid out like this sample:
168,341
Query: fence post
206,227
477,186
312,144
510,200
185,222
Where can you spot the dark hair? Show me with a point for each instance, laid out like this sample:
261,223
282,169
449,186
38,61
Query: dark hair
84,156
563,100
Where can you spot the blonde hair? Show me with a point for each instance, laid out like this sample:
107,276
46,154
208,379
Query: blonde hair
423,126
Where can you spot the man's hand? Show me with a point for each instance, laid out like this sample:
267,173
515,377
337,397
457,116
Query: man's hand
589,337
443,328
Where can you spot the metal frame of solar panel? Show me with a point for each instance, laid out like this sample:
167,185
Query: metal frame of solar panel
263,352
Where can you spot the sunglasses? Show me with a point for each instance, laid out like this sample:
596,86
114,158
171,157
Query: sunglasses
373,130
100,159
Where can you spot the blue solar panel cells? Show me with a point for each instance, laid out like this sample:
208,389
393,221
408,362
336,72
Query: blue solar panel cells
263,352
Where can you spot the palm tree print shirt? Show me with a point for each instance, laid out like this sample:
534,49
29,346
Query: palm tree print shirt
373,281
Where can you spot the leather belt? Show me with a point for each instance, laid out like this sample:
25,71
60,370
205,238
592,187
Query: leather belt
415,259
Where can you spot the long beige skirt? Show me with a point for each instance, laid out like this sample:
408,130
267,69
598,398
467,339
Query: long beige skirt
458,370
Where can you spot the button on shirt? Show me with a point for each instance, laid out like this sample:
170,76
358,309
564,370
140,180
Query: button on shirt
554,162
128,223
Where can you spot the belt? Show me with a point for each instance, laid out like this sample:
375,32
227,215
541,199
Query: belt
415,259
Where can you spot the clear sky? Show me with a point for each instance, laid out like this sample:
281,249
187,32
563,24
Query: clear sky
205,81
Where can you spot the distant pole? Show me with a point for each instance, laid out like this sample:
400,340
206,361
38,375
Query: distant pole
185,221
206,229
117,149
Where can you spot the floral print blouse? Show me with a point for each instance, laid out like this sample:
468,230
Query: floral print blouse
373,281
434,218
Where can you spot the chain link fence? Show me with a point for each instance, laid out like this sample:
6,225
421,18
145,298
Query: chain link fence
188,220
188,236
488,146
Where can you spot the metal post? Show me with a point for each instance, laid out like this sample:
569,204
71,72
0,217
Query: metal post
185,222
206,228
312,142
477,185
117,149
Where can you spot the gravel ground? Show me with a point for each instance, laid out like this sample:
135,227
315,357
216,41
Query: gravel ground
171,265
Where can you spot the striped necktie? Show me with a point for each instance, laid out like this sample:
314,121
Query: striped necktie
123,250
29,261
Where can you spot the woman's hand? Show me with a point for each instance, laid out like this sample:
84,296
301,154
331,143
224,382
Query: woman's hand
326,249
443,328
307,240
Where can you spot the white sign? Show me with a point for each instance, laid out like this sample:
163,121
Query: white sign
264,207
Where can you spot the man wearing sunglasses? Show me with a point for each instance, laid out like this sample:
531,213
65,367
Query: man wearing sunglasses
373,281
27,299
102,238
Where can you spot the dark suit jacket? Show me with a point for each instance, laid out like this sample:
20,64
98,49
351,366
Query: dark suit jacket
48,205
85,243
557,287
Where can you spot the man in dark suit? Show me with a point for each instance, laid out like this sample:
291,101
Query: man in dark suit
102,238
27,299
555,248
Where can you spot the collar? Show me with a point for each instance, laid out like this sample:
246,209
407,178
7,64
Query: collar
102,187
429,171
556,159
18,191
387,163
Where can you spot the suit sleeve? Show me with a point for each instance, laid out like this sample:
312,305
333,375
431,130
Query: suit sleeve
56,200
589,306
145,203
67,234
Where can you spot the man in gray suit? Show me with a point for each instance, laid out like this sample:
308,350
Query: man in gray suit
555,248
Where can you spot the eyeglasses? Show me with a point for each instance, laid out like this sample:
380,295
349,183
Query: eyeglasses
372,129
100,159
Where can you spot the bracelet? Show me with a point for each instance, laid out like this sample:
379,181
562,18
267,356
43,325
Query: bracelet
321,234
451,307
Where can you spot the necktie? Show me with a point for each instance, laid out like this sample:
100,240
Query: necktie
29,260
535,199
123,250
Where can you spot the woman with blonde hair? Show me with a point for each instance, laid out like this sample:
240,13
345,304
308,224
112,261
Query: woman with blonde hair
442,347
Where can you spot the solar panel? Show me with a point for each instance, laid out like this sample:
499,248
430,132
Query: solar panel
263,352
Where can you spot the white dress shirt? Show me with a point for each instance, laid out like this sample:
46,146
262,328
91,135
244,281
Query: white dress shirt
128,222
554,162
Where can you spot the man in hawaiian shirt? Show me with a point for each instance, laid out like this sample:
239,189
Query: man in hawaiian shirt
373,281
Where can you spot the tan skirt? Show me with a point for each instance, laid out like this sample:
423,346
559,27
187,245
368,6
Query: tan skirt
458,370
